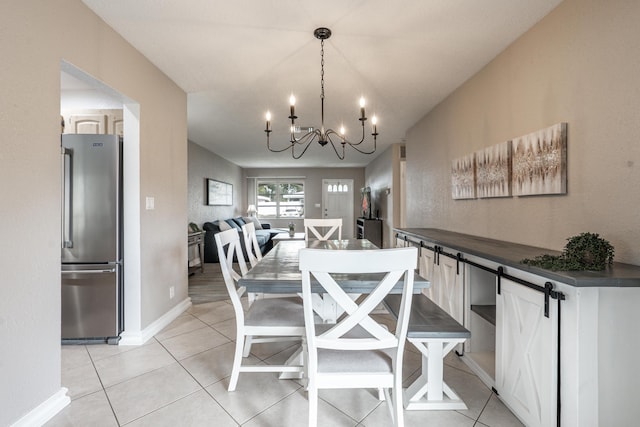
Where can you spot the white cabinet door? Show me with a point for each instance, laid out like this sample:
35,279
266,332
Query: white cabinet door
451,288
87,123
95,122
526,354
447,282
115,123
401,243
426,269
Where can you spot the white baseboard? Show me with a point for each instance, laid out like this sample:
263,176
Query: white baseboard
140,337
45,411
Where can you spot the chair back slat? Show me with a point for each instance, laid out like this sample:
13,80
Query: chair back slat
251,243
228,244
329,226
356,329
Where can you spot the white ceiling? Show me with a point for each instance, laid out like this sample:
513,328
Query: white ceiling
77,94
236,59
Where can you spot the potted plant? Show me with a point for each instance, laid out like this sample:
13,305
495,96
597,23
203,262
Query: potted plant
586,251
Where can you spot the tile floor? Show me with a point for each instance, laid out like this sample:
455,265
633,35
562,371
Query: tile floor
180,377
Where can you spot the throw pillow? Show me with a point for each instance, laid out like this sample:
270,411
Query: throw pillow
212,226
255,220
232,223
224,226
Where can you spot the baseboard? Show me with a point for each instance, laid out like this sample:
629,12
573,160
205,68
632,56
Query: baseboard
139,338
45,411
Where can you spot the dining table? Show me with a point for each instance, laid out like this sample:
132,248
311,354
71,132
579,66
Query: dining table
278,272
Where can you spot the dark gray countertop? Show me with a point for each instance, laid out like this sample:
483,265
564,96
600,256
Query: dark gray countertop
510,254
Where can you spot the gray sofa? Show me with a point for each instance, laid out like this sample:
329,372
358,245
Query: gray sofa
264,236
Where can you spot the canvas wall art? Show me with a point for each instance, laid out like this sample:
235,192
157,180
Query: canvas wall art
219,193
540,162
493,171
463,178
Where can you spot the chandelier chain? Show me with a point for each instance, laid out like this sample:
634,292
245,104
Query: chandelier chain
322,69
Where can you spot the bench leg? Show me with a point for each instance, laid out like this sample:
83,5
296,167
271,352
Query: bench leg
429,391
296,359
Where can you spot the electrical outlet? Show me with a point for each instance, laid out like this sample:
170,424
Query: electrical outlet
172,292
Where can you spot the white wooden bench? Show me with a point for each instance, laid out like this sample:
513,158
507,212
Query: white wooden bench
435,334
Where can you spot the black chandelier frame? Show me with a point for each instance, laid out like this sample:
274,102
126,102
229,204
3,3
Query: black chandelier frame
322,135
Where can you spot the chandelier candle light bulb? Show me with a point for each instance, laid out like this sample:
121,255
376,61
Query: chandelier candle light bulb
292,102
322,135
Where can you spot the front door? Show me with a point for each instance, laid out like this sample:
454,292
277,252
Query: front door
337,202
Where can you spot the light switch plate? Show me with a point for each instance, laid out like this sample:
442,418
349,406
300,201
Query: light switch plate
151,203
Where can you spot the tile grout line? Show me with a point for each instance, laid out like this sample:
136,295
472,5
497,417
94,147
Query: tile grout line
202,387
482,410
104,390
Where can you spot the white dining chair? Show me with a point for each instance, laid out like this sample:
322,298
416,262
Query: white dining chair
266,320
357,352
328,226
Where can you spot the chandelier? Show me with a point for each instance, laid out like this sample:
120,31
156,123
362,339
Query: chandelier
323,136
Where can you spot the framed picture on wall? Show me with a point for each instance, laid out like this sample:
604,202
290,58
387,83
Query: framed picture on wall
493,171
219,193
463,177
540,162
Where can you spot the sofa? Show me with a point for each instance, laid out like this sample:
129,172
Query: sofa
264,235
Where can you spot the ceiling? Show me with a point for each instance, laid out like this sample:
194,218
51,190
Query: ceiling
238,59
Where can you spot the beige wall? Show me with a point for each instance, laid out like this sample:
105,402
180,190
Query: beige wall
579,65
34,37
204,164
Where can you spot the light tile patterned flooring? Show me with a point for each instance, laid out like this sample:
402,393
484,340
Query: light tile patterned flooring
180,378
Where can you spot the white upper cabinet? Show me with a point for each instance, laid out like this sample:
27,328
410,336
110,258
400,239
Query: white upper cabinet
94,122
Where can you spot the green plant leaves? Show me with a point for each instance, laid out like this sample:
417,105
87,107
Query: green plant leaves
586,251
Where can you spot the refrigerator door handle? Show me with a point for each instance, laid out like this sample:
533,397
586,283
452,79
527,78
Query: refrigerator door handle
106,270
67,198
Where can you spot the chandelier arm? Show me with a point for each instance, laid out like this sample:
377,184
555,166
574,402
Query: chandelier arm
277,150
352,145
333,145
363,151
303,139
308,138
293,154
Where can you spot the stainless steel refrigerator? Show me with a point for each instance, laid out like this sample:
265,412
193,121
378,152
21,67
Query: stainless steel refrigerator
92,279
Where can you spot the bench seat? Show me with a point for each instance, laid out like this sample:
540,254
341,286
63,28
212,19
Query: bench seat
427,320
434,333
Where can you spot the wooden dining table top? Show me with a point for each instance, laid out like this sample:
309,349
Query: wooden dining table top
279,271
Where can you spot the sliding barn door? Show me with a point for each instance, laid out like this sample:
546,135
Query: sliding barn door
526,354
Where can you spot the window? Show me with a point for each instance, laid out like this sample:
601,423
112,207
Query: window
279,198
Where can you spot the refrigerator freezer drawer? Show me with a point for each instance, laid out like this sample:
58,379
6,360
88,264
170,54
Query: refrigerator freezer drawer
90,302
